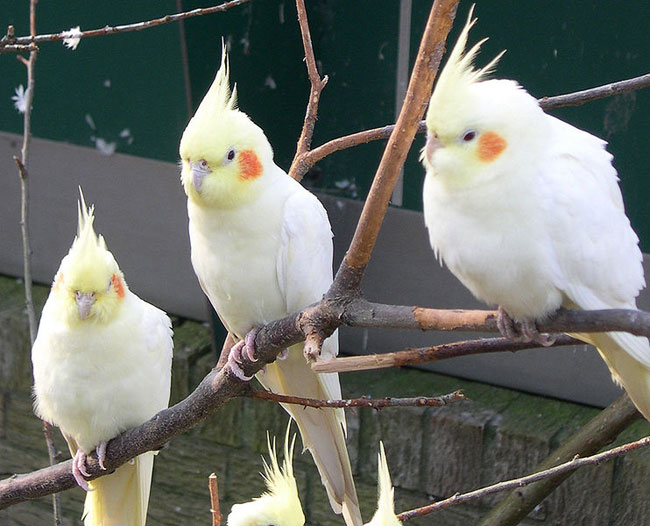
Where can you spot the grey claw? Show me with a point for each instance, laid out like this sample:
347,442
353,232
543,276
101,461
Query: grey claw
238,372
101,454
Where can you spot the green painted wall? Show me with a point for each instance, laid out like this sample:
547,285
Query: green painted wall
132,81
553,47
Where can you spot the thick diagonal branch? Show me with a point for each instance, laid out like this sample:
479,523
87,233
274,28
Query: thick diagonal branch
220,386
432,47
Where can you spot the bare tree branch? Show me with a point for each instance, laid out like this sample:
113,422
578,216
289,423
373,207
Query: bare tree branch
378,403
608,90
309,159
428,354
576,463
317,85
220,386
589,439
10,42
23,175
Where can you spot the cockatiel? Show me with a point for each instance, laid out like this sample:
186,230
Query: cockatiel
526,211
262,249
102,364
280,505
385,514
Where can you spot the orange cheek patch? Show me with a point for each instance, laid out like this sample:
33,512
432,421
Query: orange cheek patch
490,146
118,285
250,166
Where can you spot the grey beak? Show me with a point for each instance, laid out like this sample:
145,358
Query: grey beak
197,180
84,303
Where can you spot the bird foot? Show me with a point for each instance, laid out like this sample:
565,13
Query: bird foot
79,470
522,331
245,347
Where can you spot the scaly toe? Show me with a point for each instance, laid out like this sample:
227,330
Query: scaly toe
249,345
79,470
101,454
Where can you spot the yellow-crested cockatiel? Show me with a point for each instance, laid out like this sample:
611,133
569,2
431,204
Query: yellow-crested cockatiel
280,505
262,249
102,364
526,211
385,514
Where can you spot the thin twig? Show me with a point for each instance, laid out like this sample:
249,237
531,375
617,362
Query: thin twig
214,500
578,98
608,90
23,175
429,354
113,30
576,463
376,403
316,87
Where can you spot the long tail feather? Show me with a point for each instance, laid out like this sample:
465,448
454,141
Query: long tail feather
121,498
617,348
321,430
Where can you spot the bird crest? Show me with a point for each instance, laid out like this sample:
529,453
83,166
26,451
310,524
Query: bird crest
219,97
88,260
279,480
459,72
385,514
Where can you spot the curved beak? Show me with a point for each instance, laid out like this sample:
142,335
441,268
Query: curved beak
197,177
432,144
84,301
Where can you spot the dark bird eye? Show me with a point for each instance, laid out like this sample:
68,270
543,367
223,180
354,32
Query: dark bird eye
230,155
469,135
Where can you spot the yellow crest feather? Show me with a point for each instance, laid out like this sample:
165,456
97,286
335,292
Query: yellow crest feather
459,72
219,98
385,514
280,480
89,264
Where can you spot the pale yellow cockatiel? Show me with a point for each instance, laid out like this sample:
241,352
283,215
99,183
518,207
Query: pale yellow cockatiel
280,505
526,211
262,249
102,364
385,514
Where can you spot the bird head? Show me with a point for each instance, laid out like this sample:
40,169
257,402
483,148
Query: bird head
89,286
280,505
476,127
223,153
385,514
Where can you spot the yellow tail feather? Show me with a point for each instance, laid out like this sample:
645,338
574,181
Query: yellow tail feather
121,498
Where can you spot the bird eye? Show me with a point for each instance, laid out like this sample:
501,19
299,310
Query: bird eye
203,164
469,135
230,155
110,282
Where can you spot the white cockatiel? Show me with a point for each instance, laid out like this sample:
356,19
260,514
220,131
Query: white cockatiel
262,249
526,211
102,364
280,505
385,514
